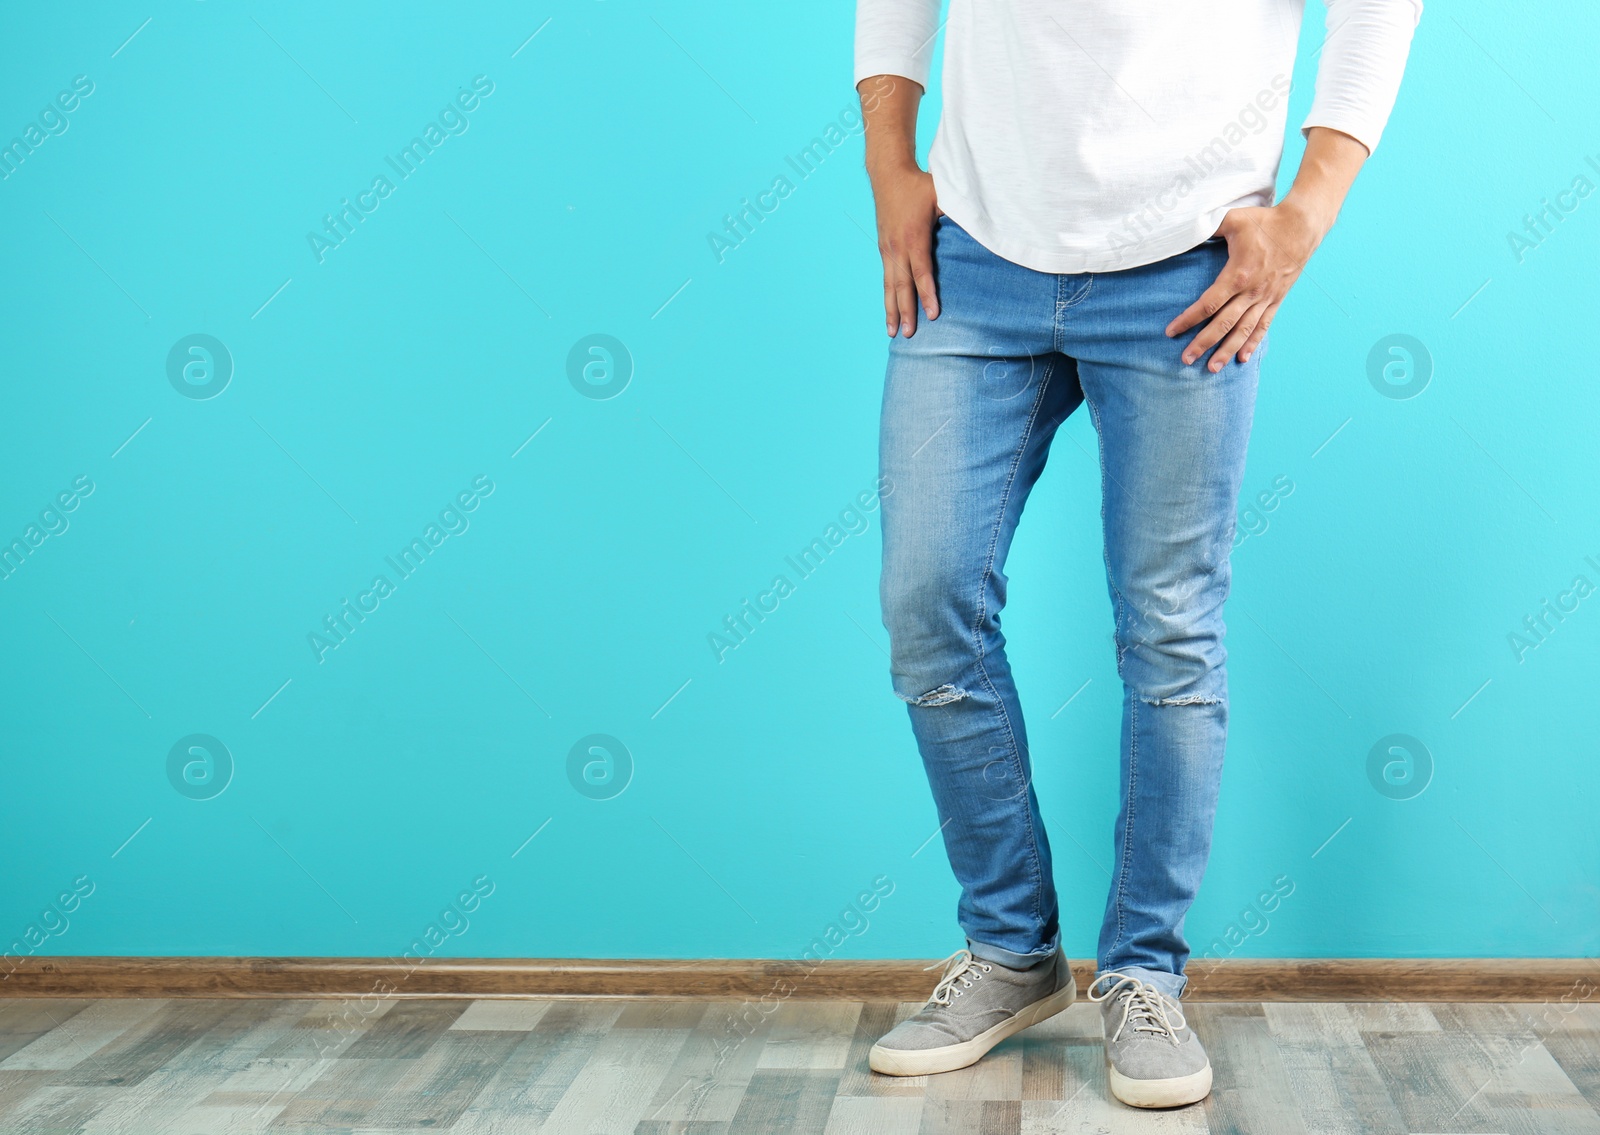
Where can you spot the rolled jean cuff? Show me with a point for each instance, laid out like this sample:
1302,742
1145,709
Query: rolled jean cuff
1171,984
1010,959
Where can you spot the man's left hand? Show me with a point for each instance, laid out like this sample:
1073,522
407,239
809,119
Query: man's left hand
1267,250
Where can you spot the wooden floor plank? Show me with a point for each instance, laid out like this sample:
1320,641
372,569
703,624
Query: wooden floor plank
1331,1076
1250,1089
1044,1068
500,1015
1392,1017
82,1034
1078,1022
811,1035
664,1067
1527,1084
1435,1079
712,1069
18,1085
1578,1053
793,1101
155,1102
445,1081
327,1028
1079,1104
406,1031
971,1117
661,1015
346,1093
857,1079
59,1110
998,1076
874,1115
614,1089
152,1043
1572,1013
245,1118
538,1073
24,1020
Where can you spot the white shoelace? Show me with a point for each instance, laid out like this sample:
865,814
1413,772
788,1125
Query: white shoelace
1145,1008
960,966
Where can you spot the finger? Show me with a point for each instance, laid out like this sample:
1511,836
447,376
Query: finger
1258,334
1202,309
1230,282
1212,333
922,275
905,294
891,303
1236,338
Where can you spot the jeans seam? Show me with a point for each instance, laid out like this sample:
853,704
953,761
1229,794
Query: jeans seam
977,637
1058,331
1127,827
1119,604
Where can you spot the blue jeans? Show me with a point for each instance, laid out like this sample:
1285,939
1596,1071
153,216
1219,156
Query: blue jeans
971,403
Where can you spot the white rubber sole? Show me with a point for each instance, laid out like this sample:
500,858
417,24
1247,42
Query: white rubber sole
929,1061
1174,1092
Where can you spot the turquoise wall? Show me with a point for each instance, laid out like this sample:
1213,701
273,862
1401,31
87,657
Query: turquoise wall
528,742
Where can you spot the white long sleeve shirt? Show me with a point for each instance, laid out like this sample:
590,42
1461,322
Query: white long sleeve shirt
1093,135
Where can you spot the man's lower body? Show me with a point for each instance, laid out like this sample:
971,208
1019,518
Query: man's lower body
971,404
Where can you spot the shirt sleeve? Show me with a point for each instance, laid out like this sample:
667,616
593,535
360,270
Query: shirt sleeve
1363,57
895,37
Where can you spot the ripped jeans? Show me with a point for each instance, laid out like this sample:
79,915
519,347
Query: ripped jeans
971,403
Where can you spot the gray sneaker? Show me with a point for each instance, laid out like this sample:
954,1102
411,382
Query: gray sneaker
1156,1060
975,1006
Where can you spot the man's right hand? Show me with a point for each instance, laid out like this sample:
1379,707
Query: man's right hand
907,214
904,195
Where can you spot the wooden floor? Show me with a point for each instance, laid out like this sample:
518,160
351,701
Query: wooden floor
193,1067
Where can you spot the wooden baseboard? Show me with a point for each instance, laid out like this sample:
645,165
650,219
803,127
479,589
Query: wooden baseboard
1338,979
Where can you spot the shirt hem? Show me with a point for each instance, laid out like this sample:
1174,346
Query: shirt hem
977,224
